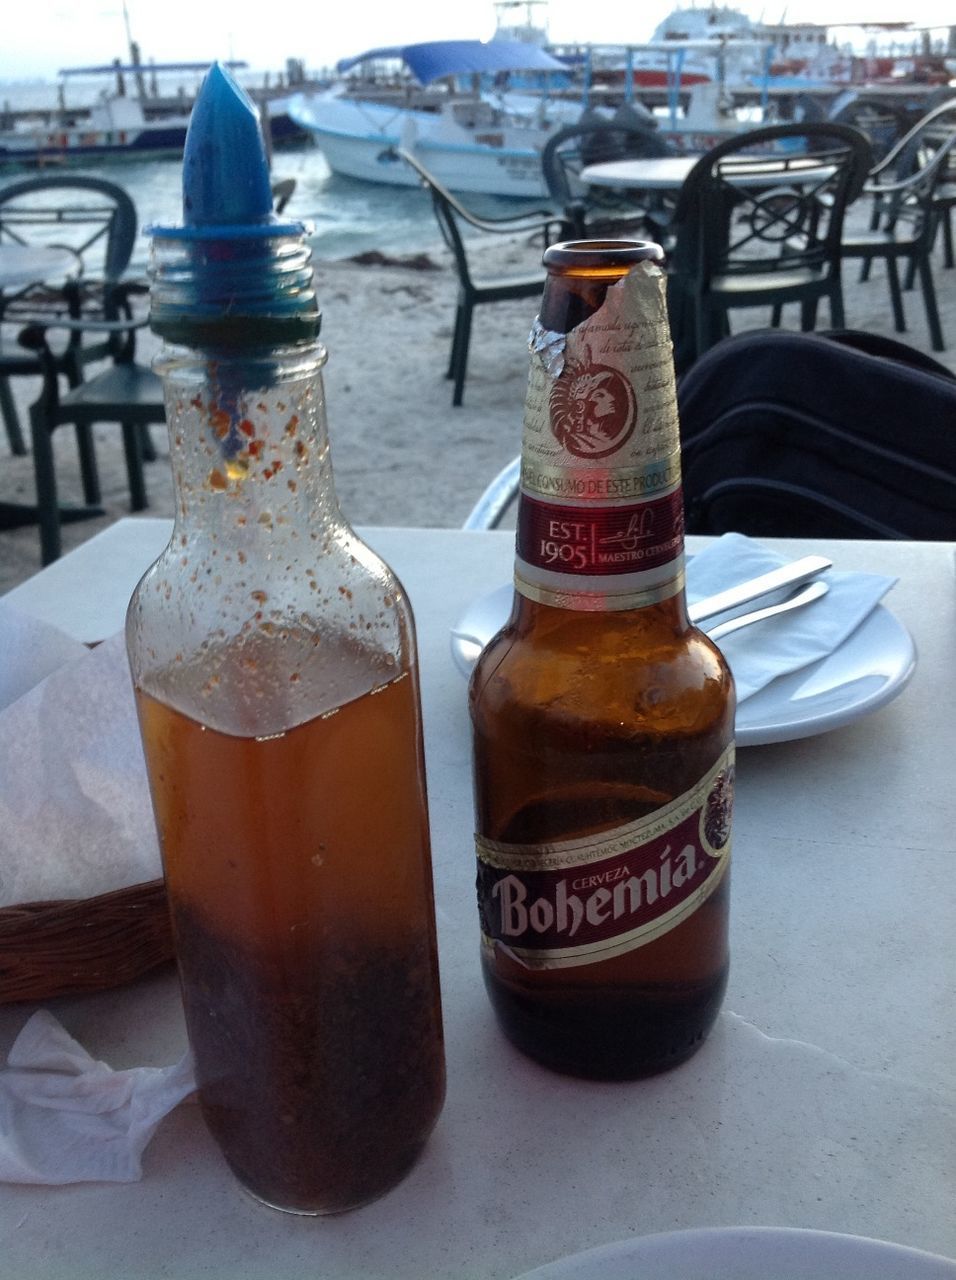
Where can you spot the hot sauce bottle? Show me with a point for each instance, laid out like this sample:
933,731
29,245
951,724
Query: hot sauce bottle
273,658
602,720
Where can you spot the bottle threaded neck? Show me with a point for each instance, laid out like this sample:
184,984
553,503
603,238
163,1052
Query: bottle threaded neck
237,292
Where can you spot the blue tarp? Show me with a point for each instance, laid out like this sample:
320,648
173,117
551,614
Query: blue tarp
437,58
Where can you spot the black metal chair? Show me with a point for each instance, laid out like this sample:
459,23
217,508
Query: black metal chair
759,222
97,316
91,318
472,291
594,212
882,123
905,187
944,200
95,220
910,152
944,203
123,391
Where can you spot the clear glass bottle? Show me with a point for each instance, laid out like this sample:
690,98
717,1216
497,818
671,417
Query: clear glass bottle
273,658
603,721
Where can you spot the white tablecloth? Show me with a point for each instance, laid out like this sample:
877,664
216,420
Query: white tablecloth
824,1097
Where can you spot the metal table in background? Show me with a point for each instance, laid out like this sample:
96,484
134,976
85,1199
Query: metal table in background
26,264
668,173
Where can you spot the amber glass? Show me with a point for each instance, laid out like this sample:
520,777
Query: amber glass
584,720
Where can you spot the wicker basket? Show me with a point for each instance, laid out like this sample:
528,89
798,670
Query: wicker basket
89,944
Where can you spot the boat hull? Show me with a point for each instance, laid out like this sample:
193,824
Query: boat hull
75,145
466,169
59,145
469,147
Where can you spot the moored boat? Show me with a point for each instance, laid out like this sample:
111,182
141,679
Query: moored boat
121,123
451,106
114,126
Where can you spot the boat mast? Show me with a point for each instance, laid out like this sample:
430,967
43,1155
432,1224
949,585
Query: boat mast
134,55
512,28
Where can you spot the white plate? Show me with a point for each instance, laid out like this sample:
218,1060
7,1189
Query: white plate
868,670
749,1253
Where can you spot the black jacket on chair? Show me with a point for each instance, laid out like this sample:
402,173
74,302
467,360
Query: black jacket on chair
819,435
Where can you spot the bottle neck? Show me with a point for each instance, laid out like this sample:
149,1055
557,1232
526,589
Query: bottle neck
600,514
249,445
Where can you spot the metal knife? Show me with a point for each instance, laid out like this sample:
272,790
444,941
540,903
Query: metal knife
788,575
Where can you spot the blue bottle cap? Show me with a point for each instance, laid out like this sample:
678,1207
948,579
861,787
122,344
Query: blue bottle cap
233,274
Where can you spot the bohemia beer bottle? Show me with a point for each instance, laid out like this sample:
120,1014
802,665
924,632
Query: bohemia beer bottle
273,657
603,721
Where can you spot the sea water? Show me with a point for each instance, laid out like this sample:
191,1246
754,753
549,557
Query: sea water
348,216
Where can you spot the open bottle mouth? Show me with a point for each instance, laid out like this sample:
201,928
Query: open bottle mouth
589,255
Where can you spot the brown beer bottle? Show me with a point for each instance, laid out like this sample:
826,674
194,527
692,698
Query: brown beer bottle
274,662
602,719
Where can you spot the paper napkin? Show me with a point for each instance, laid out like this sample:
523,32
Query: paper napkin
777,646
75,813
64,1117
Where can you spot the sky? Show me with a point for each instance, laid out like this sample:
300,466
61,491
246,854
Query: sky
41,36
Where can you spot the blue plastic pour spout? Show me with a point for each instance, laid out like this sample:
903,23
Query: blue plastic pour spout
225,167
233,274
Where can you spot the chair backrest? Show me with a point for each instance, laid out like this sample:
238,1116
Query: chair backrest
910,201
452,215
448,212
882,123
782,187
813,435
916,148
93,218
808,107
593,141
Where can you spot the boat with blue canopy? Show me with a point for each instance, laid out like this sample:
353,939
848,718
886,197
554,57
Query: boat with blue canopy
476,113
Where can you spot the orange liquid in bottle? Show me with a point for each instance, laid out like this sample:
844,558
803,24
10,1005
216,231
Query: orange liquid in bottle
300,895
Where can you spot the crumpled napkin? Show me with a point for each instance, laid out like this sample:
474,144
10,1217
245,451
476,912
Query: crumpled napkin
777,646
64,1117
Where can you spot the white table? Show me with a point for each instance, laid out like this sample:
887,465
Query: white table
667,173
824,1097
22,264
657,173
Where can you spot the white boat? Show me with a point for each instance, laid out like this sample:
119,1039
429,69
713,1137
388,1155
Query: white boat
128,119
114,126
701,45
707,44
474,138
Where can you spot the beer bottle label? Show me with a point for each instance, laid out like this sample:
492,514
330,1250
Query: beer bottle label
601,516
576,902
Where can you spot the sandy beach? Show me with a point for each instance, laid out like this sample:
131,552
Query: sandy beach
401,454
